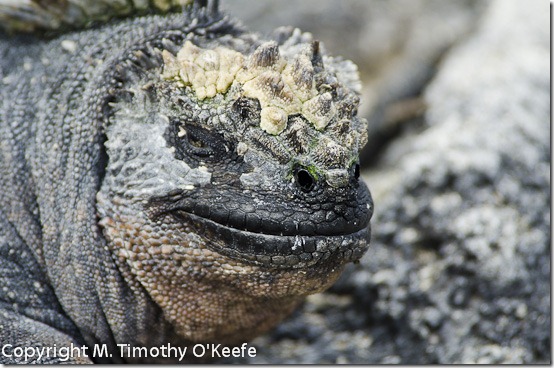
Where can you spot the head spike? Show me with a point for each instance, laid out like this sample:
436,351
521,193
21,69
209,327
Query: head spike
198,4
63,15
303,70
213,7
266,55
317,59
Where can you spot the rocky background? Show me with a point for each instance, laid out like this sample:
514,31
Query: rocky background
458,160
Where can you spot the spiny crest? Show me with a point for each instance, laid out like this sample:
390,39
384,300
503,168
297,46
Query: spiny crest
308,100
283,86
56,15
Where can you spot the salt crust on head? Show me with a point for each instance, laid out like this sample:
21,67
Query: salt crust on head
284,86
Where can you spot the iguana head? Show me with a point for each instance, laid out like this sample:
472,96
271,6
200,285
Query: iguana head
232,188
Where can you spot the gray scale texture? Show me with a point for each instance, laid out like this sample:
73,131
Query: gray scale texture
459,268
53,167
93,249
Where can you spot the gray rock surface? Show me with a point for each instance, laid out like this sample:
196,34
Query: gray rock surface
459,270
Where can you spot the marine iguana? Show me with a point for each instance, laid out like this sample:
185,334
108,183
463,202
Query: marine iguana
170,178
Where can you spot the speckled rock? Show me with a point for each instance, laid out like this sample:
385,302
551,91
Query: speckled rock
459,269
468,213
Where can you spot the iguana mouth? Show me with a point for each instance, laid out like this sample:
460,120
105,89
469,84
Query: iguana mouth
284,221
280,236
267,230
287,251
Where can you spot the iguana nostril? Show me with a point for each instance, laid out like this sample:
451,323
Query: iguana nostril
304,179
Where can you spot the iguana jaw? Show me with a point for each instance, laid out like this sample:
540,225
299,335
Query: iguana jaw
280,229
276,251
206,294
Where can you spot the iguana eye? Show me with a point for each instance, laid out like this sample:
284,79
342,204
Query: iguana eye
203,142
194,142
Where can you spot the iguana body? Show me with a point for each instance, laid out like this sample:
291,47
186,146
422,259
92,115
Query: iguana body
139,208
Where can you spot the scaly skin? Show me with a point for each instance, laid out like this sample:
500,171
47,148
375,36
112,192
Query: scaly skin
144,206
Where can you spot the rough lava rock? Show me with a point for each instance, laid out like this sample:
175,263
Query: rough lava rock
459,269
